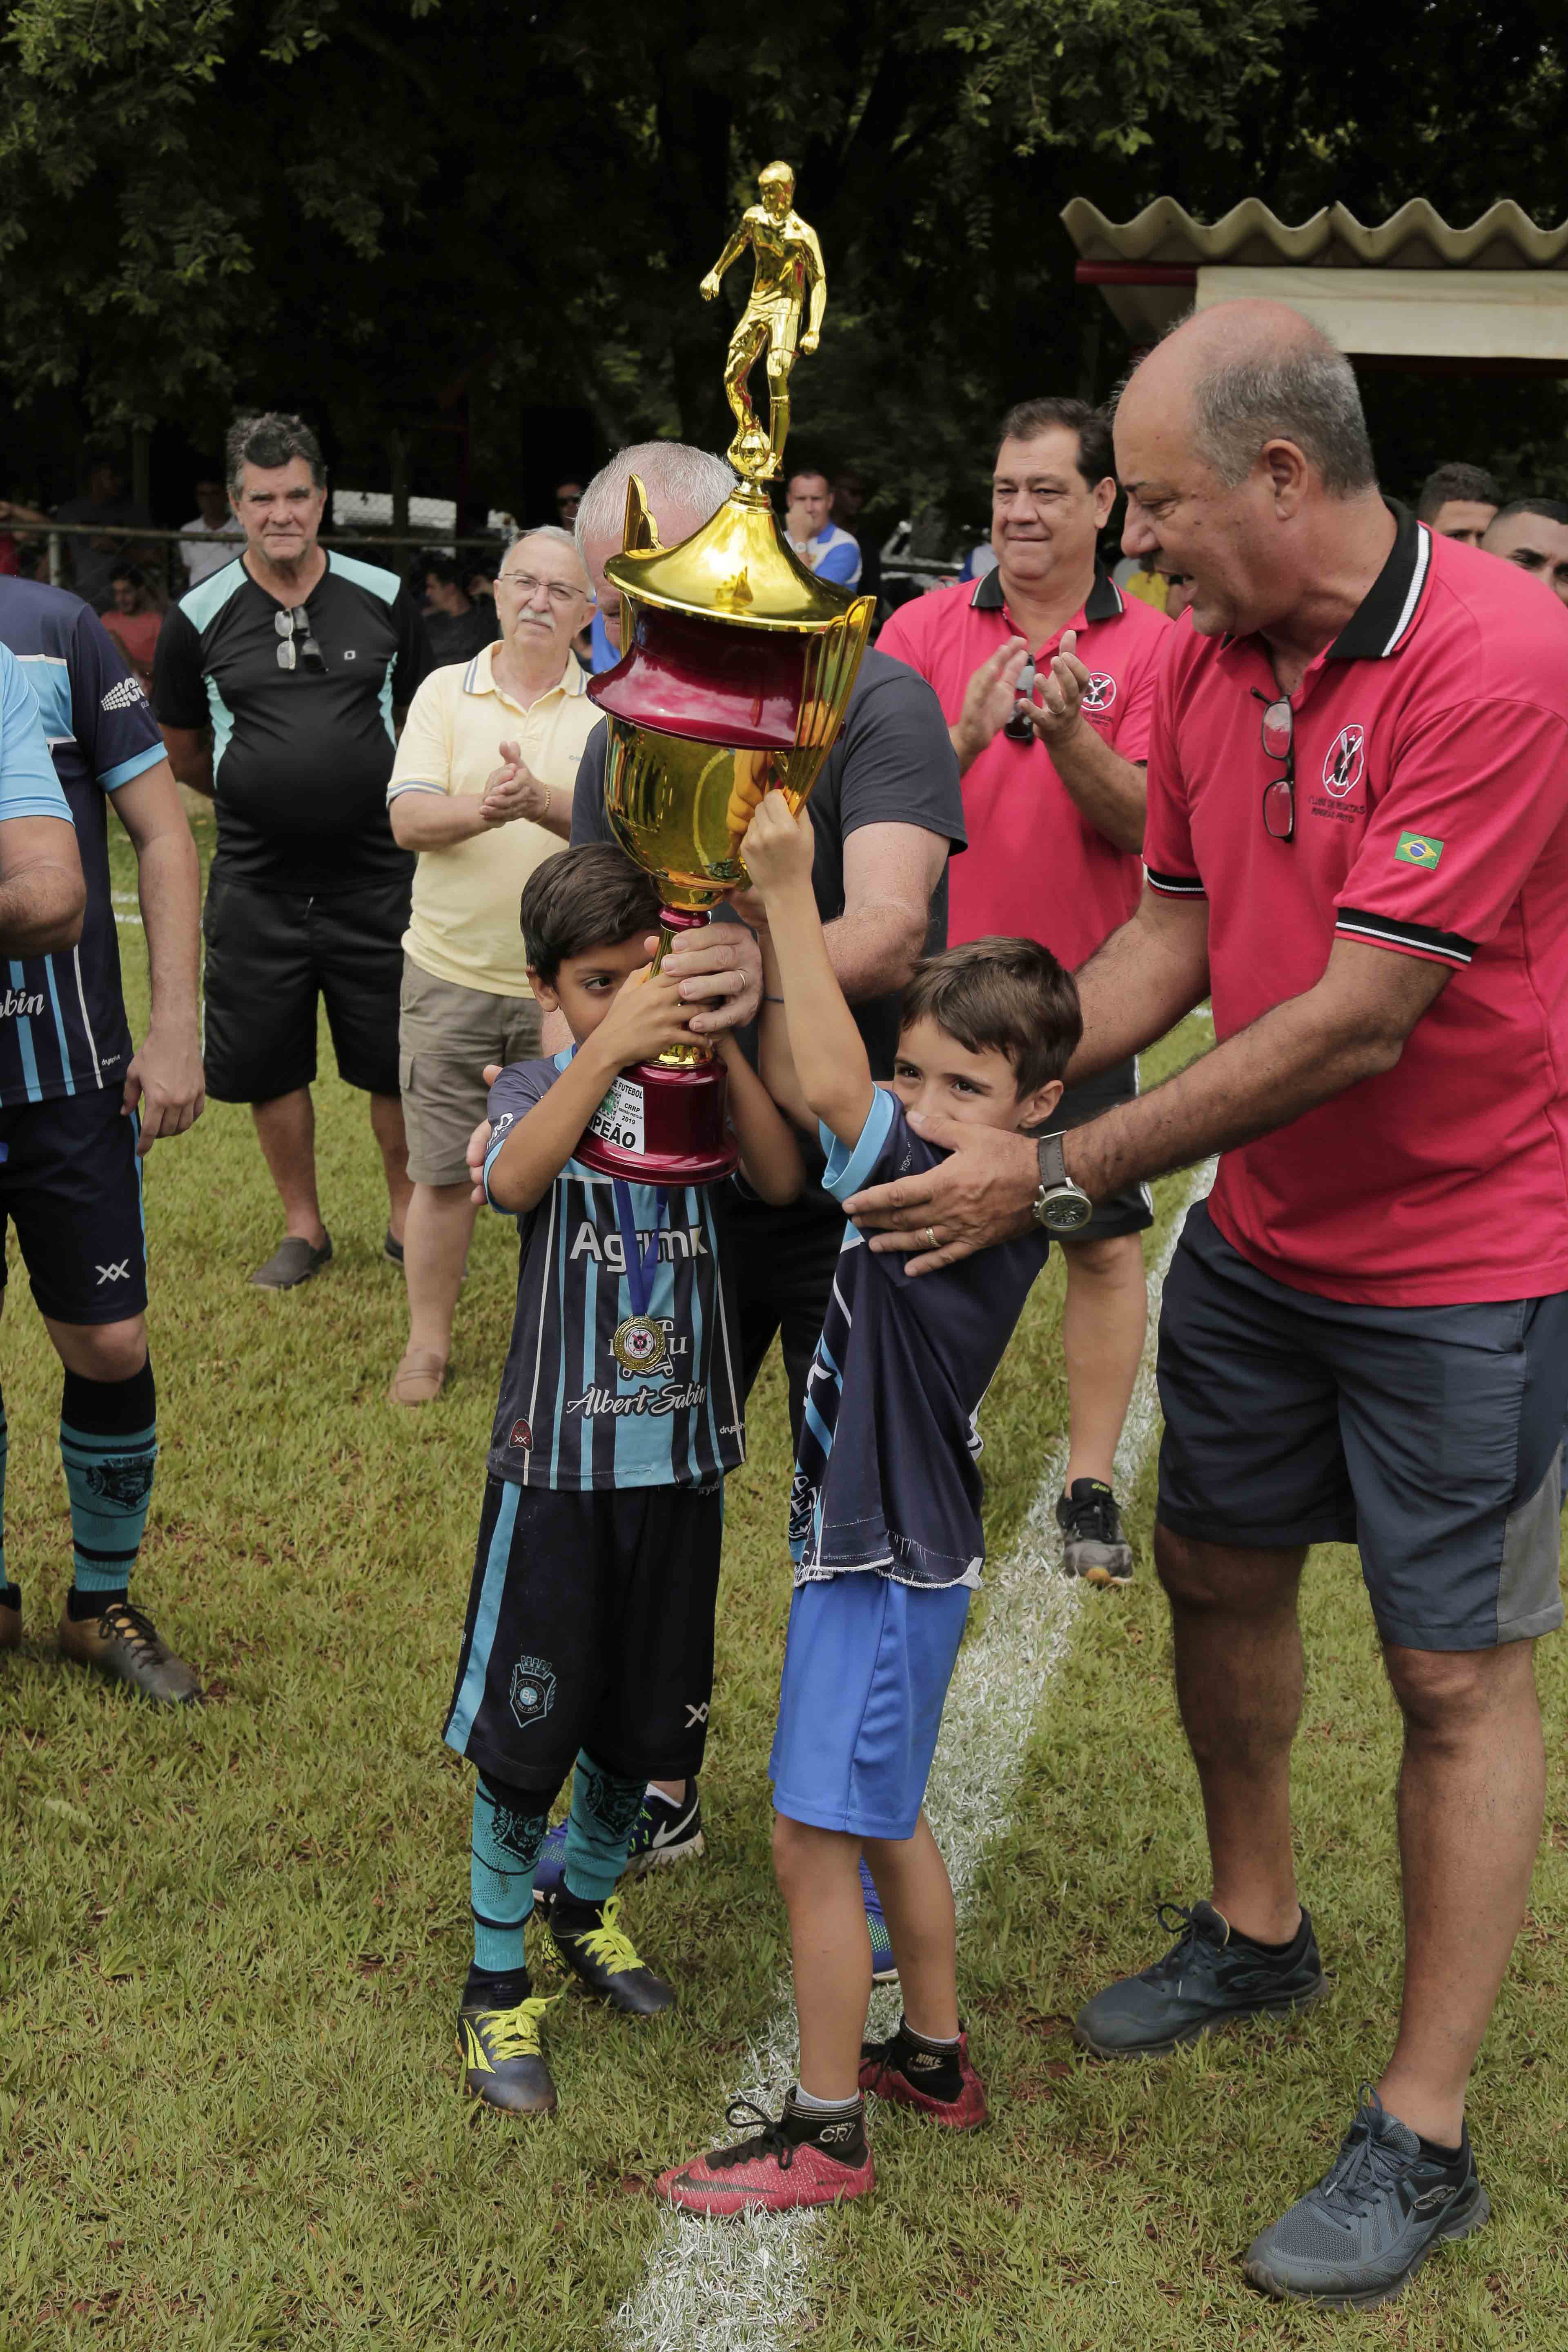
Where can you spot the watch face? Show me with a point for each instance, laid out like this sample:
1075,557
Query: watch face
1067,1212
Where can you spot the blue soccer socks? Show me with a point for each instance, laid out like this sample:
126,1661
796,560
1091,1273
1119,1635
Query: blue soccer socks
507,1837
109,1445
599,1830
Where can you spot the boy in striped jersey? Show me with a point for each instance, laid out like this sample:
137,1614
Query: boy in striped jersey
588,1647
885,1526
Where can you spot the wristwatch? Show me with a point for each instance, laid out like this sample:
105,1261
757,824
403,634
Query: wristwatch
1060,1205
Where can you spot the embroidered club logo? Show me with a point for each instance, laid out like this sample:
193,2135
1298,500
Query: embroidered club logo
533,1690
1100,691
521,1436
125,1482
1418,849
1346,762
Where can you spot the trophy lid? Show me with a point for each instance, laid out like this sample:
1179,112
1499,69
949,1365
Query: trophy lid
738,567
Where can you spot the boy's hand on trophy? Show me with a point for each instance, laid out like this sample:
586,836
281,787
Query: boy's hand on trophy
646,1018
779,846
512,791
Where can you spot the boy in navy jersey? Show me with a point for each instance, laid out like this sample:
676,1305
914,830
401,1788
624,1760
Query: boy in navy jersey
589,1642
885,1526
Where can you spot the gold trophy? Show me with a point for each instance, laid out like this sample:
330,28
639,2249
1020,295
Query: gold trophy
735,673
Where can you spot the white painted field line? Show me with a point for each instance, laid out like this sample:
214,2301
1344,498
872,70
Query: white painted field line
742,2284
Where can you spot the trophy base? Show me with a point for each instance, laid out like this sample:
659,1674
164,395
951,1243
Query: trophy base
662,1123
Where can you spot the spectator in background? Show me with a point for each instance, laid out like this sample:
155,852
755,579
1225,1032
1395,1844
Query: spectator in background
308,658
1140,576
1458,501
455,626
222,535
1053,800
816,538
568,497
108,503
133,621
848,498
1532,533
481,790
12,558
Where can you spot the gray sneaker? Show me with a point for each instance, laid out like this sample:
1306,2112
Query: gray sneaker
1204,1980
125,1645
294,1261
1094,1541
1361,2234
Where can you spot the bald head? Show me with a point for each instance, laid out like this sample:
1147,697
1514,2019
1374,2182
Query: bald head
1242,447
684,486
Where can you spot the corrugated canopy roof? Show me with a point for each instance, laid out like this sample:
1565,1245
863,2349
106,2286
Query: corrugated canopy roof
1164,238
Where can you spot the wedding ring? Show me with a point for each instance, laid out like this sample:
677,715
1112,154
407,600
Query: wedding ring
930,1237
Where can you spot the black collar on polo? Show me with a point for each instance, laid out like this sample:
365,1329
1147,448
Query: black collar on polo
1103,602
1386,613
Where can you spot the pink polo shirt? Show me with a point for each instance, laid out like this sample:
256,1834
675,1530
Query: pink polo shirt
1431,797
1035,867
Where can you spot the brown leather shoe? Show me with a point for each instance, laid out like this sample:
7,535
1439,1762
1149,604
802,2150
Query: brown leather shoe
419,1378
123,1643
10,1627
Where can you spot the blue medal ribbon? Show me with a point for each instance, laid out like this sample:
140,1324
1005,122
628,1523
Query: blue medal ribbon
640,1263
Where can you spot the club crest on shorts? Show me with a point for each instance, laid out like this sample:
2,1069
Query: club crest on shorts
639,1345
521,1437
1346,762
533,1690
1100,691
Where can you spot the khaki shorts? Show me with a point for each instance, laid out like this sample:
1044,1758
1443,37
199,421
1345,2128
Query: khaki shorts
445,1034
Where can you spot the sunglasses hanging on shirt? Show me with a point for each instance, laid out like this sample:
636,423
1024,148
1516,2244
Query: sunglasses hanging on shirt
293,624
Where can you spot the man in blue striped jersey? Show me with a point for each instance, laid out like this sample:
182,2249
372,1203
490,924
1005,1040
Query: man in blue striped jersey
589,1642
79,1109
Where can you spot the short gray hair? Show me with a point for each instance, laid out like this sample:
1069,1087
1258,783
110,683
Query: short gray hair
269,438
691,484
1304,392
518,532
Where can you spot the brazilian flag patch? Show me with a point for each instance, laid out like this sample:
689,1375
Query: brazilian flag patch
1418,849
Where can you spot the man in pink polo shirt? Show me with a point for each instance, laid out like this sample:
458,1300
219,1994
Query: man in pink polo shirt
1358,844
1046,675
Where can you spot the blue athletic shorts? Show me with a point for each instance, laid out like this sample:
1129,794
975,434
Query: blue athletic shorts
70,1183
867,1666
1430,1436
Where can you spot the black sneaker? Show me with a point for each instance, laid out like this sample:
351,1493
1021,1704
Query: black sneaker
503,2063
1204,1980
601,1955
1361,2234
1094,1542
294,1261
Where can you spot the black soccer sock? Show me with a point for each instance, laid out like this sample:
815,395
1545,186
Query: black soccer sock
1435,2153
109,1445
926,2063
1286,1952
605,1810
838,2125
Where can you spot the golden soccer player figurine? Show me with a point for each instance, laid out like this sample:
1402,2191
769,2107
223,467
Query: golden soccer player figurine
788,261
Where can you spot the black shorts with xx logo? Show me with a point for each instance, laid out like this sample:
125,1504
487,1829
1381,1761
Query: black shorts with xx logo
590,1625
70,1183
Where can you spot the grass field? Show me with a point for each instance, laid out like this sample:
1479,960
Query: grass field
231,1940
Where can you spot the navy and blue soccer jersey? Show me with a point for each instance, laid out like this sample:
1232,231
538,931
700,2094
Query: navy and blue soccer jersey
62,1017
571,1416
885,1479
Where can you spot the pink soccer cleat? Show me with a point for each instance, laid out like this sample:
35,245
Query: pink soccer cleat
949,2091
801,2159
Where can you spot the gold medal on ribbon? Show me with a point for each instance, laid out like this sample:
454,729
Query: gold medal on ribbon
639,1345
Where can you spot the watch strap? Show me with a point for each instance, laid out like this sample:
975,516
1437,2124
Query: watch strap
1053,1163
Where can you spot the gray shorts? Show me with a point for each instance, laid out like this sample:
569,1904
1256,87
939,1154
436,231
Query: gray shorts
1430,1436
445,1034
1131,1211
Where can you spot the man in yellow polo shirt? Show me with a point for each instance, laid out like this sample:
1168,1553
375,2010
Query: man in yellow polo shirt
481,787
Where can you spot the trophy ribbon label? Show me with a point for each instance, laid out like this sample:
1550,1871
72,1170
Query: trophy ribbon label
637,1344
619,1118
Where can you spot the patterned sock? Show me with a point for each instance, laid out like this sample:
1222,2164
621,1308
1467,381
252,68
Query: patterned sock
109,1443
508,1834
599,1830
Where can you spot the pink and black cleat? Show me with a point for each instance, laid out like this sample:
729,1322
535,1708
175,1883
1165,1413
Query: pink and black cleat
932,2081
801,2159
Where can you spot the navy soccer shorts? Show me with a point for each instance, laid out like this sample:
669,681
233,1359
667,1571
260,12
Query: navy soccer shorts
1430,1436
271,954
70,1183
590,1625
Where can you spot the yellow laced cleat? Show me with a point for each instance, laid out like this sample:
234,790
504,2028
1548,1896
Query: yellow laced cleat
602,1958
503,2063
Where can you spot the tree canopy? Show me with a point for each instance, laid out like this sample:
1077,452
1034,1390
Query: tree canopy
368,208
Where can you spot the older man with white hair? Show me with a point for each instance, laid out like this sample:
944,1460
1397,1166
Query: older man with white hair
481,789
1357,842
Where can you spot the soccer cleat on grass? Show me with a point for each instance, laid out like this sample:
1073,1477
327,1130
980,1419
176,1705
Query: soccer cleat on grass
946,2088
604,1958
503,2063
799,2160
665,1832
125,1645
1361,2235
1094,1542
1204,1980
884,1967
